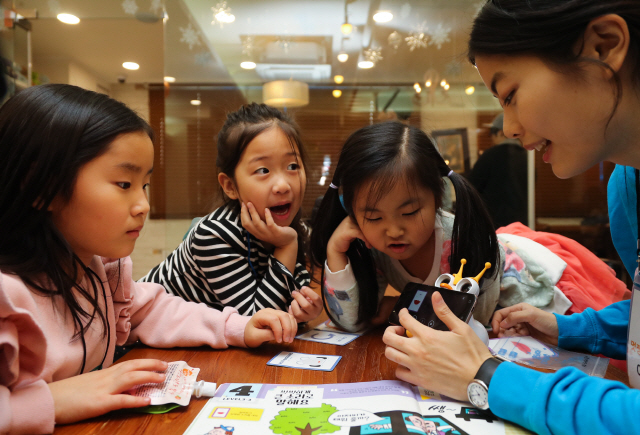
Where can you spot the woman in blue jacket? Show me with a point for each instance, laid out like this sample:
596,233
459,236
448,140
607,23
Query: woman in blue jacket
567,73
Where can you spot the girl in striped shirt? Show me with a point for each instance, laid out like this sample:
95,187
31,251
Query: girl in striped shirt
249,253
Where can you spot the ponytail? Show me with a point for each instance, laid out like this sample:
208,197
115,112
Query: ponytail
474,236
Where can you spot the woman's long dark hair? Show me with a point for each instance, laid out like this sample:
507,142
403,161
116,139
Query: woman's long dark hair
551,30
47,133
386,154
239,129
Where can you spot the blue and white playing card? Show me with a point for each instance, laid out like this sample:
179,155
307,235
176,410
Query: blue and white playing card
328,336
295,360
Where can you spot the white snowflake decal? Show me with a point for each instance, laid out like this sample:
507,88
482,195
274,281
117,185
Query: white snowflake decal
373,54
222,14
190,36
394,39
247,45
440,36
156,5
130,7
417,40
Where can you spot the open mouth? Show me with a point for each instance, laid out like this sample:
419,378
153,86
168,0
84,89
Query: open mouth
543,146
280,210
398,248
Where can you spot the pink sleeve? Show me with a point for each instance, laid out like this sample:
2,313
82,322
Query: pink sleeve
146,312
26,404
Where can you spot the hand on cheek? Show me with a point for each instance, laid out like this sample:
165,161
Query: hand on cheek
266,230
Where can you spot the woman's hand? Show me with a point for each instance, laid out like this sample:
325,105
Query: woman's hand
306,304
96,393
524,319
339,243
267,230
384,309
443,361
269,324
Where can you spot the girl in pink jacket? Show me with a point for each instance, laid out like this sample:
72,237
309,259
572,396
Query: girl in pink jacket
74,171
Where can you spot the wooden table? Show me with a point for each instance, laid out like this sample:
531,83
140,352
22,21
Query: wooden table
363,360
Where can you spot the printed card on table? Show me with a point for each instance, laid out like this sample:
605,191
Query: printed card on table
295,360
328,336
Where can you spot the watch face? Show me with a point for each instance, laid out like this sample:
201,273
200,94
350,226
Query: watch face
478,395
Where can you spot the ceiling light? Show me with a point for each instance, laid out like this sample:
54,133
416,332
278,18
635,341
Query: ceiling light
346,28
248,65
68,18
443,83
224,17
196,102
338,79
169,79
469,90
285,93
365,64
130,65
428,83
446,87
417,87
342,56
337,93
382,17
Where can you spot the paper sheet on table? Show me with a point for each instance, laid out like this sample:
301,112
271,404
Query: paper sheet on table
527,350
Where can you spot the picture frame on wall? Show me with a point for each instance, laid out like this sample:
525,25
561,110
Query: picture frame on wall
453,145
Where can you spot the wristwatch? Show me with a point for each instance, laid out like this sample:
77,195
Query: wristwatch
478,389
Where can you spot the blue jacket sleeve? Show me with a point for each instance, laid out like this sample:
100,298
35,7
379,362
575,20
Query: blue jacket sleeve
621,200
600,332
565,402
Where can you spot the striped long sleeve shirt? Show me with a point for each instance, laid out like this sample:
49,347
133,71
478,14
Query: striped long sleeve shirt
220,264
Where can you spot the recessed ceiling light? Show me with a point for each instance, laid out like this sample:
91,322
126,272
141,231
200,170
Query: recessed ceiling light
248,65
470,90
337,93
196,102
343,57
365,64
130,65
68,18
382,17
169,79
338,79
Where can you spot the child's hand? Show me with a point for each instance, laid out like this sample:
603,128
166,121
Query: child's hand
267,230
269,324
384,310
306,304
96,393
525,319
442,361
344,234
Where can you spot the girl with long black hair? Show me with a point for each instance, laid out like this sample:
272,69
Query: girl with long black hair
74,170
381,223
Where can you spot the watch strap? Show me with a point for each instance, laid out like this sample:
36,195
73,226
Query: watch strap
487,369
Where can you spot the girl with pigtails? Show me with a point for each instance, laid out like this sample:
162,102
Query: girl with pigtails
381,223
